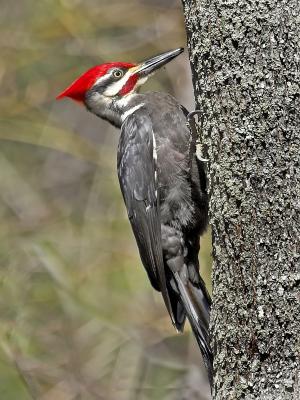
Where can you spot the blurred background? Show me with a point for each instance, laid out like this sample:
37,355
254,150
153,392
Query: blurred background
79,319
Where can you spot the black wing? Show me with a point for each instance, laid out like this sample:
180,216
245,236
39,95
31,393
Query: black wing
137,177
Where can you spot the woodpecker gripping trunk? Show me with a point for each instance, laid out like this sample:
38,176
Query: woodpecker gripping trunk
162,182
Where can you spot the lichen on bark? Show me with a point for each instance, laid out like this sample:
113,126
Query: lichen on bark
245,65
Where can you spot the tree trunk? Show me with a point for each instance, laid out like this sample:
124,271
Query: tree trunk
245,66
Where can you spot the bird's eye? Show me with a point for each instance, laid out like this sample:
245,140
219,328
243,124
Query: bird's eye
117,73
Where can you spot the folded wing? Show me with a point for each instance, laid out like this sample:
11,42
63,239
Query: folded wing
137,176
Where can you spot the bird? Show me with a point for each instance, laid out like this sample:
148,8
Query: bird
162,181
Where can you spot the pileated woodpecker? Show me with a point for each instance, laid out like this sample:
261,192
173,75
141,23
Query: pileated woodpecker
162,181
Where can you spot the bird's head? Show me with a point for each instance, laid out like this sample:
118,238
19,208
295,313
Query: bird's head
102,87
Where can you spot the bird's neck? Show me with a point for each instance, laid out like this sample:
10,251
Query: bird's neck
114,110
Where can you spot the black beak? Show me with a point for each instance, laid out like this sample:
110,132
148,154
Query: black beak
147,67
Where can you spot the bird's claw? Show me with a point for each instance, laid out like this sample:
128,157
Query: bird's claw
202,159
192,126
199,153
192,114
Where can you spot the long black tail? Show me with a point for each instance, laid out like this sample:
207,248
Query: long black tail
197,303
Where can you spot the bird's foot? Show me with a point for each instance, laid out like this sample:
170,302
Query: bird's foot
192,114
199,152
192,126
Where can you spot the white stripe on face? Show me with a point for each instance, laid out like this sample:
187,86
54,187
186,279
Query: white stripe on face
115,87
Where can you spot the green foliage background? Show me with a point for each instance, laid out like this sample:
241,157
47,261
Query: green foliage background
79,319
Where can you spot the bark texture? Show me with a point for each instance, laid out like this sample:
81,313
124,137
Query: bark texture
245,64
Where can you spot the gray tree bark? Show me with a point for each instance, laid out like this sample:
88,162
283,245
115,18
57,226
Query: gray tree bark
245,65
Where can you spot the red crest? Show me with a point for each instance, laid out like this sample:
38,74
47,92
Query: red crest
81,85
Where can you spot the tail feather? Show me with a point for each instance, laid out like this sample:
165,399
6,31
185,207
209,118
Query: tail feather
196,302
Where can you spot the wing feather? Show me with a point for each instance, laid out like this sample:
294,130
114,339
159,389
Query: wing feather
137,172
